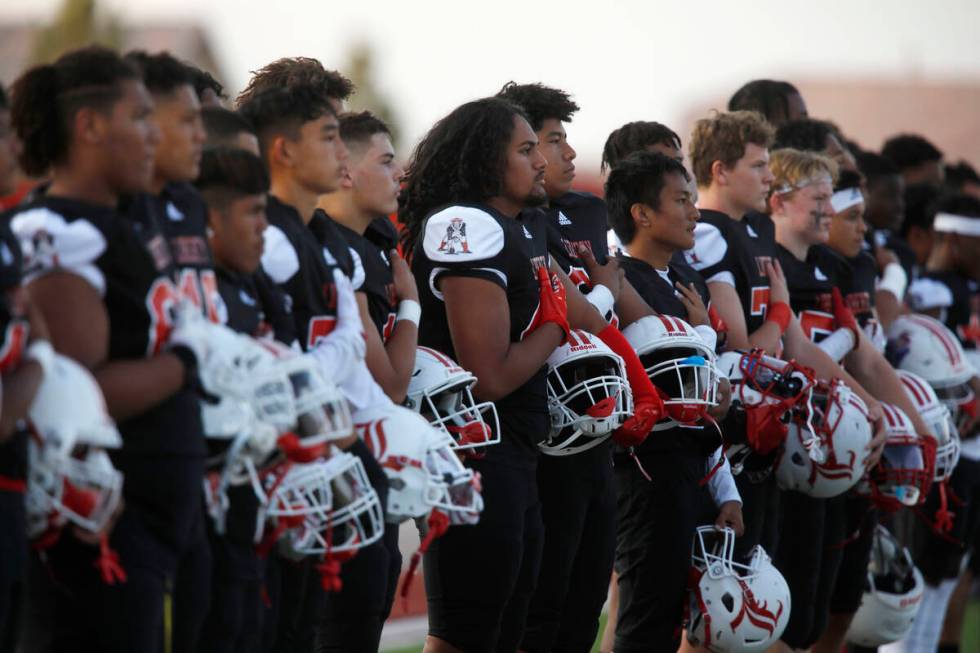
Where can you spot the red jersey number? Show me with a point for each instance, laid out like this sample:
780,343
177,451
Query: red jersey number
200,287
760,300
816,324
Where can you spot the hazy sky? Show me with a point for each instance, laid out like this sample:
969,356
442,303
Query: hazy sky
622,60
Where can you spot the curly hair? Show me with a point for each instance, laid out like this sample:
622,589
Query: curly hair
634,137
282,111
461,159
910,150
290,71
723,137
637,179
540,102
45,99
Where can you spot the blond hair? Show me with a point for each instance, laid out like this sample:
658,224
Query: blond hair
723,137
794,169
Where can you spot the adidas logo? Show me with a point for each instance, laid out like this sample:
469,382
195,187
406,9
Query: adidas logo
751,231
174,213
818,273
527,234
563,220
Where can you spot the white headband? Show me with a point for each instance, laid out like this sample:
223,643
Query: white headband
845,199
789,188
957,224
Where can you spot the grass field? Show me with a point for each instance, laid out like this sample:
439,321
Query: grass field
971,633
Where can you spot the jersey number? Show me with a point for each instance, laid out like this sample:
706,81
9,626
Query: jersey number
200,287
816,324
760,300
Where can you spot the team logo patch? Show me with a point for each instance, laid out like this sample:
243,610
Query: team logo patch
454,242
563,220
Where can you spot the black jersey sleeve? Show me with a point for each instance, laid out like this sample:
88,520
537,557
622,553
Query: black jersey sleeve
464,241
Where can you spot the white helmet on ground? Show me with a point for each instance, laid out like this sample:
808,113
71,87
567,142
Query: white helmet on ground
680,365
588,395
70,478
441,391
939,420
422,469
734,608
892,596
924,346
843,432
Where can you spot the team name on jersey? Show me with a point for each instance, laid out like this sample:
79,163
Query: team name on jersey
190,250
858,302
760,265
572,247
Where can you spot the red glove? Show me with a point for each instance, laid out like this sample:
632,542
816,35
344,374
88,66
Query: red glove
648,407
844,317
552,306
764,428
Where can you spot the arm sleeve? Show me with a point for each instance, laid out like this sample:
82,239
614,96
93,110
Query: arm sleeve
463,241
722,484
50,243
710,255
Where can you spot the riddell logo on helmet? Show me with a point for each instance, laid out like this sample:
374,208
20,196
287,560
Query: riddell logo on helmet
577,341
912,600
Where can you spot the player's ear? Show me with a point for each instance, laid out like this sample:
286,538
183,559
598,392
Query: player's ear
719,172
280,152
641,215
776,203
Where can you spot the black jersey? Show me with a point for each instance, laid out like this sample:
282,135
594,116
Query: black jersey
856,277
373,277
810,288
142,273
301,260
476,241
734,252
254,305
958,299
577,220
656,287
383,233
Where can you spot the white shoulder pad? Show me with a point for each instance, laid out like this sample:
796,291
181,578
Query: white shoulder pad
279,259
358,275
925,293
709,248
50,243
460,234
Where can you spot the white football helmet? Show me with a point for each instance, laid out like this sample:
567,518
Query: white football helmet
588,395
422,469
924,346
771,393
70,477
904,474
840,422
441,391
939,420
316,508
734,607
892,596
679,364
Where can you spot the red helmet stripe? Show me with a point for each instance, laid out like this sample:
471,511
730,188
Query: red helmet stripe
668,324
915,388
439,356
952,348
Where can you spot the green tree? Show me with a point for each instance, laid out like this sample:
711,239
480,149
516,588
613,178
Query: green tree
77,23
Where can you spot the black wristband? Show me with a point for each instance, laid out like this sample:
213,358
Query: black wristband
189,361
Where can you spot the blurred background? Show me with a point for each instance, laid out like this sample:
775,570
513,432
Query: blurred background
873,68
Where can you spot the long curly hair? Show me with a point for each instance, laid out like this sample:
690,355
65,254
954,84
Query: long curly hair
461,159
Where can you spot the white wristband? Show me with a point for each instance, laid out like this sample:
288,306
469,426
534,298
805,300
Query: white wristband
838,344
602,298
895,280
42,353
409,309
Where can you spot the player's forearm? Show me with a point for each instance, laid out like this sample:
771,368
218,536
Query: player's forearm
766,337
400,348
132,387
19,389
873,371
520,362
630,307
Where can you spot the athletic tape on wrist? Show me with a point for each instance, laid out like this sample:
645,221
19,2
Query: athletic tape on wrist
409,309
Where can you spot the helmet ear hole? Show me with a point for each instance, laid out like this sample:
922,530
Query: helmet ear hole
728,601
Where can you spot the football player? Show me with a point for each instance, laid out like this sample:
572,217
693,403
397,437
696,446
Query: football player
735,252
918,160
227,128
576,491
492,300
87,118
809,554
815,136
234,184
652,210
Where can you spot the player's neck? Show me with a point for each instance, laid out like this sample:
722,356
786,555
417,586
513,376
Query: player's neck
941,260
651,252
505,205
157,185
288,191
793,242
340,206
77,185
713,198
